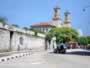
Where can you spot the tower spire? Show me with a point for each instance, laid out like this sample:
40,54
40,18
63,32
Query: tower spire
67,20
56,18
67,17
56,11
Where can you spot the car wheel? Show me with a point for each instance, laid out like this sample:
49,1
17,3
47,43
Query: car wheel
55,50
64,51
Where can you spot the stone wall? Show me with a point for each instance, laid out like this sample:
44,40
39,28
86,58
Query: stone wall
37,43
11,40
4,40
22,41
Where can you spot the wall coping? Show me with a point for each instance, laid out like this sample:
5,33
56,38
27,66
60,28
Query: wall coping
16,29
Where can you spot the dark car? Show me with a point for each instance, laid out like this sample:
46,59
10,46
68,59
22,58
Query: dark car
60,49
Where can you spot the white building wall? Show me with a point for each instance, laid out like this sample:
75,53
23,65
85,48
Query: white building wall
4,40
37,43
29,41
15,41
67,25
57,23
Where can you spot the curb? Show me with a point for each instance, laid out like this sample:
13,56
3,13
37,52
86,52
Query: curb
7,58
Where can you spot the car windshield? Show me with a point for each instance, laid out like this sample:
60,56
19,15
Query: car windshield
62,45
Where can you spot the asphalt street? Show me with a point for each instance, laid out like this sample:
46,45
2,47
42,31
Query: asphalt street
45,59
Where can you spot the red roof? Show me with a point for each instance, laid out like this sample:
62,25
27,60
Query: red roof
41,24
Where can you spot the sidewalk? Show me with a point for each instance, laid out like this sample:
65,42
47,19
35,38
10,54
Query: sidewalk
12,55
12,52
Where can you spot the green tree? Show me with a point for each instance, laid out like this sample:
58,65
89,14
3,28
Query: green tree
3,20
15,25
64,34
83,40
48,37
88,38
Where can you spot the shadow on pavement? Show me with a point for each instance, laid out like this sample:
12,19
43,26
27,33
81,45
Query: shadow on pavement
83,53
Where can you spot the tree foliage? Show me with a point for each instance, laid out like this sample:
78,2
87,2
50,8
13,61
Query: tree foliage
3,20
63,34
88,38
15,25
83,40
49,36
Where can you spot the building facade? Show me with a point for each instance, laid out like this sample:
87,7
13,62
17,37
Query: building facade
43,27
17,39
56,21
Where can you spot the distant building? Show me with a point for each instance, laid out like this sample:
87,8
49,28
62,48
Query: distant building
80,32
67,21
43,27
56,21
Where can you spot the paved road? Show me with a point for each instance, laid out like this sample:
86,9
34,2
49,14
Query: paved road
48,60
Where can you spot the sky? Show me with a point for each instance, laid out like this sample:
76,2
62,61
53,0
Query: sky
27,12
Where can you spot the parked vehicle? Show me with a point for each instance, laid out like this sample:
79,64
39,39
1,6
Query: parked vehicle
60,49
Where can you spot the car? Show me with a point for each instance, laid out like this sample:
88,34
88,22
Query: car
60,49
